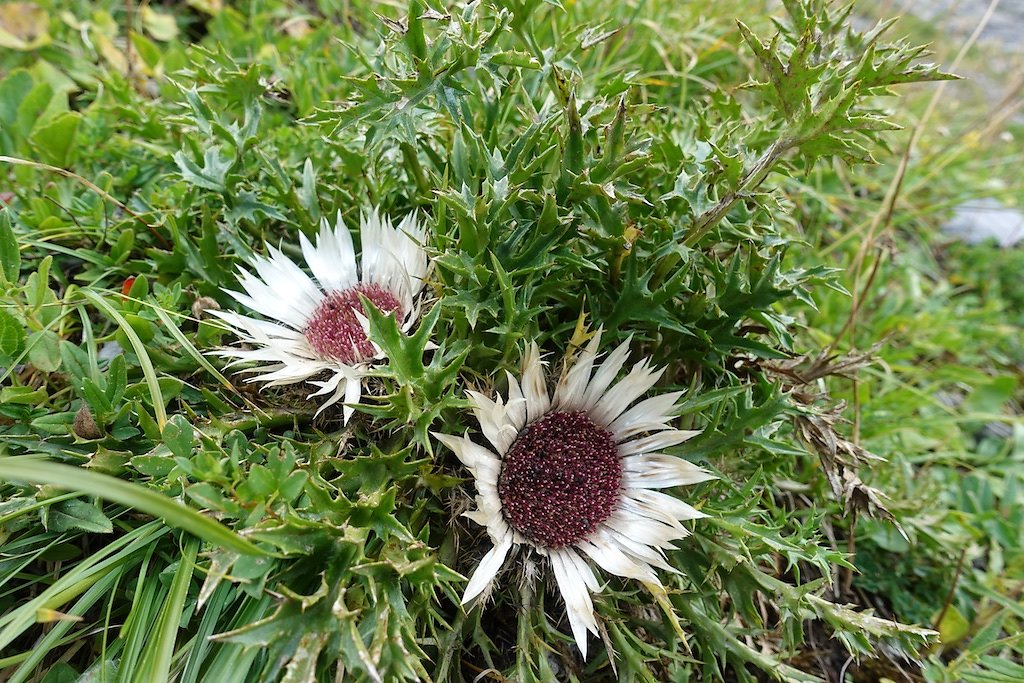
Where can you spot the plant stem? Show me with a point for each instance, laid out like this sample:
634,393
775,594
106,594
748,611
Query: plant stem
951,592
751,180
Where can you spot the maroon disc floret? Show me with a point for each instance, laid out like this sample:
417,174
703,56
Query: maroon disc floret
560,479
335,332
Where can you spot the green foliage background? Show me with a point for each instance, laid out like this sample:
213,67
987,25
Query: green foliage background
652,167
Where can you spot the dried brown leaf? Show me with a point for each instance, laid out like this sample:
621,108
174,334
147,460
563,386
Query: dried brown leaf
840,461
806,369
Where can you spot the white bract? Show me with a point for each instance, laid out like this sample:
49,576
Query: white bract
573,476
315,330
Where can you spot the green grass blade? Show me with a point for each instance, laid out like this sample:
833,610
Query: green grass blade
54,636
156,662
148,371
4,519
83,254
89,342
135,631
212,613
77,580
233,663
36,471
190,348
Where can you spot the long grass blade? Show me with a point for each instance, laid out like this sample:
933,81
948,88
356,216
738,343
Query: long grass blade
148,371
156,663
190,348
76,581
149,592
212,613
54,636
36,471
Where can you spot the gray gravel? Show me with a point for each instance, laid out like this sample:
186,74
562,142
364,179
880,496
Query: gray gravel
994,69
984,220
960,17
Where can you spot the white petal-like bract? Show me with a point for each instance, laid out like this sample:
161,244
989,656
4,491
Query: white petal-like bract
297,340
545,444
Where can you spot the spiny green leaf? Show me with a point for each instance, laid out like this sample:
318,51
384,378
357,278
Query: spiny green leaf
211,175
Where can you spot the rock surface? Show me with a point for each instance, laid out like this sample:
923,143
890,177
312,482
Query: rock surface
961,16
986,219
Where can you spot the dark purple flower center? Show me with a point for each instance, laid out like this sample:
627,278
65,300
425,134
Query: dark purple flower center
560,479
334,331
